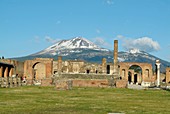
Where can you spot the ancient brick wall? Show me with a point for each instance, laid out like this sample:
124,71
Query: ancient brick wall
121,84
19,66
90,83
167,75
31,66
46,82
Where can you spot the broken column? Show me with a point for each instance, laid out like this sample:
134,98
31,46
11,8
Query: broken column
158,72
104,65
59,64
115,61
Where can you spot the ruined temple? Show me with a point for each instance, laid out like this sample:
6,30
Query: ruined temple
43,70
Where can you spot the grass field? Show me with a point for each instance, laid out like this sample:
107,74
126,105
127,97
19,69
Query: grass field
47,100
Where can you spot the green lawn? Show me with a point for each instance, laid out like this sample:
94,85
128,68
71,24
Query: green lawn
47,100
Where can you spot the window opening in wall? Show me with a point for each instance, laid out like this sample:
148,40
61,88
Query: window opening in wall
108,69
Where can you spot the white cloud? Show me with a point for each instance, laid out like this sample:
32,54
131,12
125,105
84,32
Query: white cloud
143,44
100,42
51,40
98,31
120,37
109,2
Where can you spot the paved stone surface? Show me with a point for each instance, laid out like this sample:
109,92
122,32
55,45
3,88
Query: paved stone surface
133,86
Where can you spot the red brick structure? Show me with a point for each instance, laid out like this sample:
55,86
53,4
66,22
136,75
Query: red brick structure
168,75
146,74
46,82
90,83
39,68
121,84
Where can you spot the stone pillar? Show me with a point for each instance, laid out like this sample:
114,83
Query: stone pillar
115,61
11,82
18,81
59,64
143,76
158,72
168,75
126,74
6,72
104,65
10,72
133,75
1,70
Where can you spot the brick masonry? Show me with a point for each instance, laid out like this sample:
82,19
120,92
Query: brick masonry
121,84
90,83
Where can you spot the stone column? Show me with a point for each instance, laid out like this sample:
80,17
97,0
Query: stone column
1,70
168,75
143,75
158,72
133,77
104,65
115,61
59,64
126,74
6,72
11,72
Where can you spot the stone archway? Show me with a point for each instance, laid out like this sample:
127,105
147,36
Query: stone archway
136,72
39,71
145,74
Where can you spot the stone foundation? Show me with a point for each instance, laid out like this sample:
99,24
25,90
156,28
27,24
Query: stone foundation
63,84
121,84
90,83
10,82
46,82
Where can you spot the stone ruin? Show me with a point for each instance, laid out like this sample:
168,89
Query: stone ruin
78,73
10,82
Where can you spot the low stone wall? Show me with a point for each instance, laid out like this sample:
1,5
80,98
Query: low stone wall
47,82
84,76
68,84
66,81
90,83
29,82
10,82
63,84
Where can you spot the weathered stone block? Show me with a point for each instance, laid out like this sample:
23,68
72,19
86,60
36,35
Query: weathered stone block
63,84
46,82
29,82
90,83
121,84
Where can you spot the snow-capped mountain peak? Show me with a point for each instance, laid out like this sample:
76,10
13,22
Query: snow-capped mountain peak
133,51
75,43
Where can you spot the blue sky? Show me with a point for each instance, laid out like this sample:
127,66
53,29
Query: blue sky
29,26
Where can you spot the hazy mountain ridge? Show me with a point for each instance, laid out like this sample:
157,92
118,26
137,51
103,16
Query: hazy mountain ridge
81,48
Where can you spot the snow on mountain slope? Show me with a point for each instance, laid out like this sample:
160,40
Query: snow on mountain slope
75,43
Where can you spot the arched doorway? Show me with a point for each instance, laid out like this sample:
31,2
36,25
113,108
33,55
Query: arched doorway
136,74
39,71
88,71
